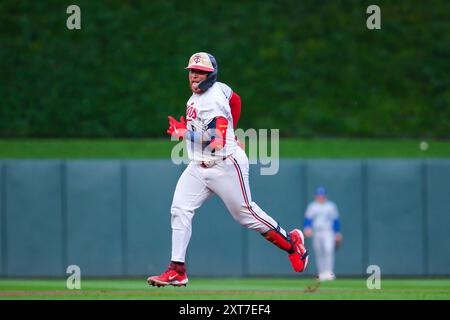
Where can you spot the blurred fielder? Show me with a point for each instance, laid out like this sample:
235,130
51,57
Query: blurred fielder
322,223
218,165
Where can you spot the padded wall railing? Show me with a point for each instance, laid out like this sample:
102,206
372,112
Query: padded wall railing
112,217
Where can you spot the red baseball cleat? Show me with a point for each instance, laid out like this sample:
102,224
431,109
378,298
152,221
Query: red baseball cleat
171,277
299,259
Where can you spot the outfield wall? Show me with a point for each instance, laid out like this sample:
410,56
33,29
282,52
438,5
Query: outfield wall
111,217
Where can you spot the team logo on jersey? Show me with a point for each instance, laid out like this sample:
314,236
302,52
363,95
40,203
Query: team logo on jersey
191,113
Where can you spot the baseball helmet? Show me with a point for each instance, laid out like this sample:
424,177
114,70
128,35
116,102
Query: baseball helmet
321,191
205,62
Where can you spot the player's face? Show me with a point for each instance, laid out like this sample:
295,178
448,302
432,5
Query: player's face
195,77
321,199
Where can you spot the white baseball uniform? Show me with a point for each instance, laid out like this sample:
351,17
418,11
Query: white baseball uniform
323,216
224,172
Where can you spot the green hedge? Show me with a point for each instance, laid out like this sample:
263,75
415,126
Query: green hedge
310,68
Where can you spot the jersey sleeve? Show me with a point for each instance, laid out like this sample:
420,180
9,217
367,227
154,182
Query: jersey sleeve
235,106
218,104
335,216
226,90
235,102
309,212
335,212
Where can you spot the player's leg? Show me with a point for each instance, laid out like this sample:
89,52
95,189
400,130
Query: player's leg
319,253
230,181
328,254
190,193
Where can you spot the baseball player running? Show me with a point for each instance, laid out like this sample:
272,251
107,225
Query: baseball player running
217,166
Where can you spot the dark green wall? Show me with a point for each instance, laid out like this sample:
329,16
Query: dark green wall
310,68
112,217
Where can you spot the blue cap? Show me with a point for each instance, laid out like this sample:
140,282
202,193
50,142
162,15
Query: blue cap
321,191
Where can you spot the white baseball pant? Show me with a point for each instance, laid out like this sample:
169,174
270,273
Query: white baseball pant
229,179
324,245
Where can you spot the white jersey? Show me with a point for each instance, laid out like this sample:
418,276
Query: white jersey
322,215
201,111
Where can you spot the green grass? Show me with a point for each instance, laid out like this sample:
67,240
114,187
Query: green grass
229,289
161,148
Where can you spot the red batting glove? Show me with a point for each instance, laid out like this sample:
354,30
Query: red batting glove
177,128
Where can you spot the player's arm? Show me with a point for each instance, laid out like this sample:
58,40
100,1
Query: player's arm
235,106
218,139
337,233
177,128
307,225
337,228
